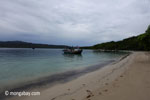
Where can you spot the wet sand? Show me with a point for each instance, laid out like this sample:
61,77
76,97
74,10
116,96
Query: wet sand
127,79
50,81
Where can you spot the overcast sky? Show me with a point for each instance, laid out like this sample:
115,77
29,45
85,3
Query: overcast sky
72,22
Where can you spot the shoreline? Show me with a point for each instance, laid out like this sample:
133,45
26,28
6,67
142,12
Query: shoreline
85,74
133,84
59,78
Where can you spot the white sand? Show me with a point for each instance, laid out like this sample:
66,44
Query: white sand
127,79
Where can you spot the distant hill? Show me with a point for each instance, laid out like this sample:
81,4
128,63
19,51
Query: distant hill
21,44
140,42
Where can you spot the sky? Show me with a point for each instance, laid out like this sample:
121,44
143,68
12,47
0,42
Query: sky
72,22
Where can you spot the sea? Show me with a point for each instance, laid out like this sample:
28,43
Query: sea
20,67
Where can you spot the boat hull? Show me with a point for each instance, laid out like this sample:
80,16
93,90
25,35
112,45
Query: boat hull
72,52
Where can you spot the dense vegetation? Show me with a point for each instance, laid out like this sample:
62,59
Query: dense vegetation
140,42
20,44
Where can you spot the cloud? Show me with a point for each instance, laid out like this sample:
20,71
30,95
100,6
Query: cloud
72,22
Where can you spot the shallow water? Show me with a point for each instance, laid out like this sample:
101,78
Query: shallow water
19,66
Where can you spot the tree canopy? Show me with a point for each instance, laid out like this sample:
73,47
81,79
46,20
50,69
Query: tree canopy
140,42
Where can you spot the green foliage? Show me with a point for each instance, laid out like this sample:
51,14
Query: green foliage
148,30
141,42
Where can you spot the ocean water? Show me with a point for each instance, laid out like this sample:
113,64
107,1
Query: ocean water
20,66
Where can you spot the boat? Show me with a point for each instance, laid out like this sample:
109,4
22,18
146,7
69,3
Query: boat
72,51
33,48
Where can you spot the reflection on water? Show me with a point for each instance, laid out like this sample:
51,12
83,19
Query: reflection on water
73,55
24,65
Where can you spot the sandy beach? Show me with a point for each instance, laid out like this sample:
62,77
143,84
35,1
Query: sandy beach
126,79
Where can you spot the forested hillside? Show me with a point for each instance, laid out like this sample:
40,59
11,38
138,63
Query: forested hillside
140,42
21,44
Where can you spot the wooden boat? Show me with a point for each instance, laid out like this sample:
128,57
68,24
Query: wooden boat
72,51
